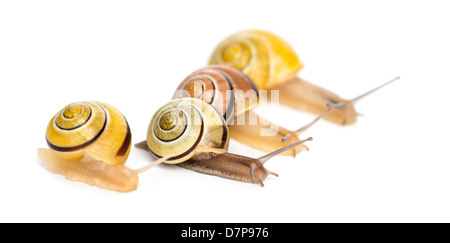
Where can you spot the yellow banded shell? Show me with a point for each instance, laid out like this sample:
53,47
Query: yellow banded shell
184,128
97,127
90,142
264,57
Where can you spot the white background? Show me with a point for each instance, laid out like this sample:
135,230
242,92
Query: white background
392,166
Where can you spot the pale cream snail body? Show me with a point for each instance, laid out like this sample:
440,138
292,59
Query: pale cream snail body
273,65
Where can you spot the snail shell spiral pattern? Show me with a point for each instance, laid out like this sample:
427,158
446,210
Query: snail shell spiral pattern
264,57
97,127
227,89
90,142
184,128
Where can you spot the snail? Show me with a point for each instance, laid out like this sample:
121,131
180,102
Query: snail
273,65
234,95
90,142
194,135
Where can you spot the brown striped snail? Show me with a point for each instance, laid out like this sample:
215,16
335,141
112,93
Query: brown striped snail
227,89
272,64
195,136
90,142
234,95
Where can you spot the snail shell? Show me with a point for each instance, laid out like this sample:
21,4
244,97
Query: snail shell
266,58
184,128
227,89
90,142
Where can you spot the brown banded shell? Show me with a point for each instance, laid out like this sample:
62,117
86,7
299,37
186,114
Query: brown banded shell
227,89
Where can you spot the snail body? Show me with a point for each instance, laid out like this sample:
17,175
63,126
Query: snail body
90,142
229,166
195,136
273,65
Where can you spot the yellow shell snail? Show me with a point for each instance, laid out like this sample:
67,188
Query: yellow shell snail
272,64
90,142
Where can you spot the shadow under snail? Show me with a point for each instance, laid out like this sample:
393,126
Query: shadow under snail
273,65
194,135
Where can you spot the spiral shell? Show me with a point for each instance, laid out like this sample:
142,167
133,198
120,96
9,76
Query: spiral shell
266,58
227,89
184,128
90,142
94,126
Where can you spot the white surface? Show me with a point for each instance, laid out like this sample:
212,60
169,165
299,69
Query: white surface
392,166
